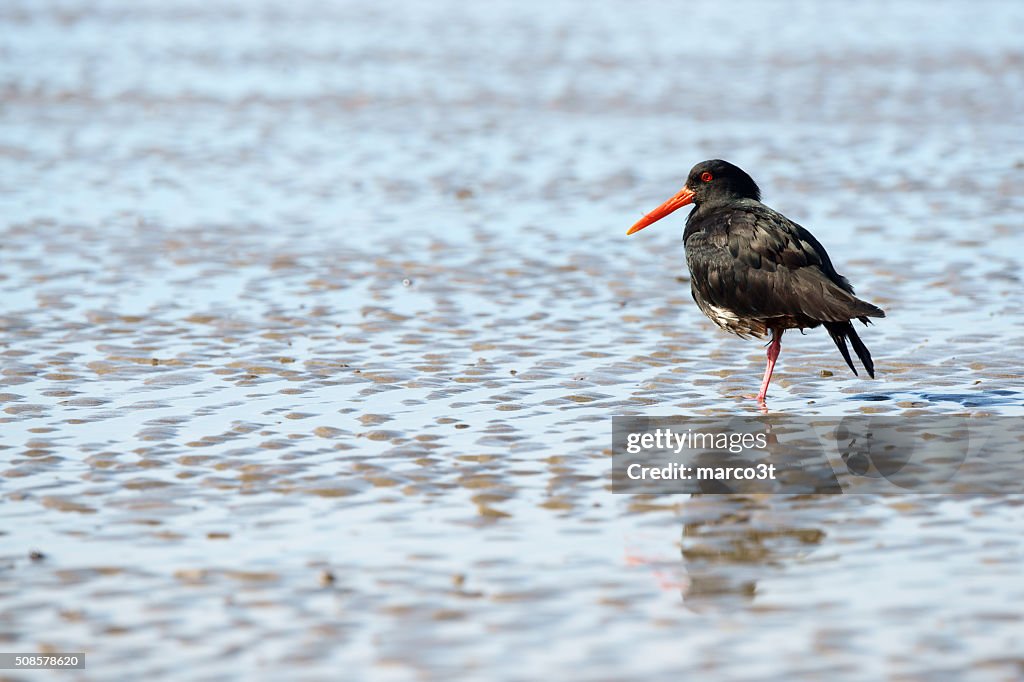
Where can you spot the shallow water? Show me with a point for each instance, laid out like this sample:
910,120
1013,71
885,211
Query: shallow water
314,320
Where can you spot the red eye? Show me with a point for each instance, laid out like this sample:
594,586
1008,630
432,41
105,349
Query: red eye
706,177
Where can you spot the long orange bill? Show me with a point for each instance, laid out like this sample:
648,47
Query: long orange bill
681,199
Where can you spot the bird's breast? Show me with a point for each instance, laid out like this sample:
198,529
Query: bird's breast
728,319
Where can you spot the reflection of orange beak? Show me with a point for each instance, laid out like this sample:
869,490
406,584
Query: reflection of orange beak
684,197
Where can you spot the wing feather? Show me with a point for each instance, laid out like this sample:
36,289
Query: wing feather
758,264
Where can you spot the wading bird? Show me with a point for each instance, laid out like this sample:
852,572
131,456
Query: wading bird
754,271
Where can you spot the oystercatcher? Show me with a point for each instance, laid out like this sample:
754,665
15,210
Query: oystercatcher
754,271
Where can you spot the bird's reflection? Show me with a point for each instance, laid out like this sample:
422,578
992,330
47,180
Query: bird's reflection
728,544
732,542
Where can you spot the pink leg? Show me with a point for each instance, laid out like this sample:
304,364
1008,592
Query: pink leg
670,579
774,348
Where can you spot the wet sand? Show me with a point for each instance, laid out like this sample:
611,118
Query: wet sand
314,320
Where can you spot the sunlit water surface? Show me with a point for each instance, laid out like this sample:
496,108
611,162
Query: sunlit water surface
315,317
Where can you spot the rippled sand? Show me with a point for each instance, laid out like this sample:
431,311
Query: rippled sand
314,320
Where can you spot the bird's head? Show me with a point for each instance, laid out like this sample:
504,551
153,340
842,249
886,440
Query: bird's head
709,181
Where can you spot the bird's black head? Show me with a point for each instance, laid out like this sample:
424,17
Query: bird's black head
717,179
708,182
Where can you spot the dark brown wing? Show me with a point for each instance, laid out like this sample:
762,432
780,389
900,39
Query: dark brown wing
758,264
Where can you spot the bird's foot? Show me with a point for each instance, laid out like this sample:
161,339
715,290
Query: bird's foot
759,399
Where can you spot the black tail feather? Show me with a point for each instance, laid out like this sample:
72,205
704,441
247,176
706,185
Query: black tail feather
840,331
862,351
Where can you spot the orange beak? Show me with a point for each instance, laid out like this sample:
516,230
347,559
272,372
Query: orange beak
681,199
